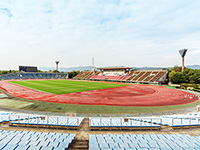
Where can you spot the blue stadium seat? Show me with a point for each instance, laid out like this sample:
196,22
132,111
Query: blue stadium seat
10,147
144,141
23,140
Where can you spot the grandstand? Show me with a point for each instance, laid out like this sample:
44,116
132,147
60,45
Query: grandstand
48,122
25,139
124,74
190,120
22,140
34,75
119,123
144,141
86,75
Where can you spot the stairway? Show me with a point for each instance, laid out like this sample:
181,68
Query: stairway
85,125
79,145
81,142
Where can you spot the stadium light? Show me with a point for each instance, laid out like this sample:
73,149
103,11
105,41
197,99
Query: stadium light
93,69
57,62
182,53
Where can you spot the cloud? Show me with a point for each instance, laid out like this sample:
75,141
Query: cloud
6,12
122,32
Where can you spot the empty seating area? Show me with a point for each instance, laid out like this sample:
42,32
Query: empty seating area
119,123
49,122
150,76
138,76
110,78
191,120
26,140
144,141
147,76
34,76
157,76
5,118
31,120
85,75
13,139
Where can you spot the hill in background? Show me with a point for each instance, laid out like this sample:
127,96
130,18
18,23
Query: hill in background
82,68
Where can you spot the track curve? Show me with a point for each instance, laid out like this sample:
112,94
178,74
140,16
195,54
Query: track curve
133,95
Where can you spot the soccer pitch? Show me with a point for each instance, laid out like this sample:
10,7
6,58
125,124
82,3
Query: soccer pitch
65,86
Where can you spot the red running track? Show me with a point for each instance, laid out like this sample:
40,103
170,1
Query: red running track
133,95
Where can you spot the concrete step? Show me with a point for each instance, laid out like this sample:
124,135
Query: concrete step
79,145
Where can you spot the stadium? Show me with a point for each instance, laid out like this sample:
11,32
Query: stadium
103,109
135,96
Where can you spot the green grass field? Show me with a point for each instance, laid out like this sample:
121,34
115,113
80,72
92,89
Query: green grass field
65,86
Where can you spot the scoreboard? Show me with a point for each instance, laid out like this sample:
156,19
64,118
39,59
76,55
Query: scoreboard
27,69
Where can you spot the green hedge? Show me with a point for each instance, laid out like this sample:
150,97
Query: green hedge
197,90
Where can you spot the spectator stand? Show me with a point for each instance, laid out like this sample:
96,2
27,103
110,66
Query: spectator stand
119,123
124,74
23,140
58,122
185,121
26,76
144,141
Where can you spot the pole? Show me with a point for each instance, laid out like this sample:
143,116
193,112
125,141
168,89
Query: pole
183,64
93,70
182,53
57,62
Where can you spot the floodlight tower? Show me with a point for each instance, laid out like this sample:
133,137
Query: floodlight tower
93,64
182,53
57,62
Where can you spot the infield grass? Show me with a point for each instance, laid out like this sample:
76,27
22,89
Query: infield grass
65,86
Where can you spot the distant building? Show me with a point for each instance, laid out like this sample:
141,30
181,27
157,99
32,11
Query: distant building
27,69
114,70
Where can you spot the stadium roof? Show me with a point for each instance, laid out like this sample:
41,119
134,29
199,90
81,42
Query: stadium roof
114,68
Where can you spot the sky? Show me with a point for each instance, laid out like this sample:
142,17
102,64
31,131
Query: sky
132,33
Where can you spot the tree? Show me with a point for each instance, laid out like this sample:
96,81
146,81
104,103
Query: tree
73,74
178,78
170,75
8,71
186,75
4,72
39,70
194,76
55,71
175,68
